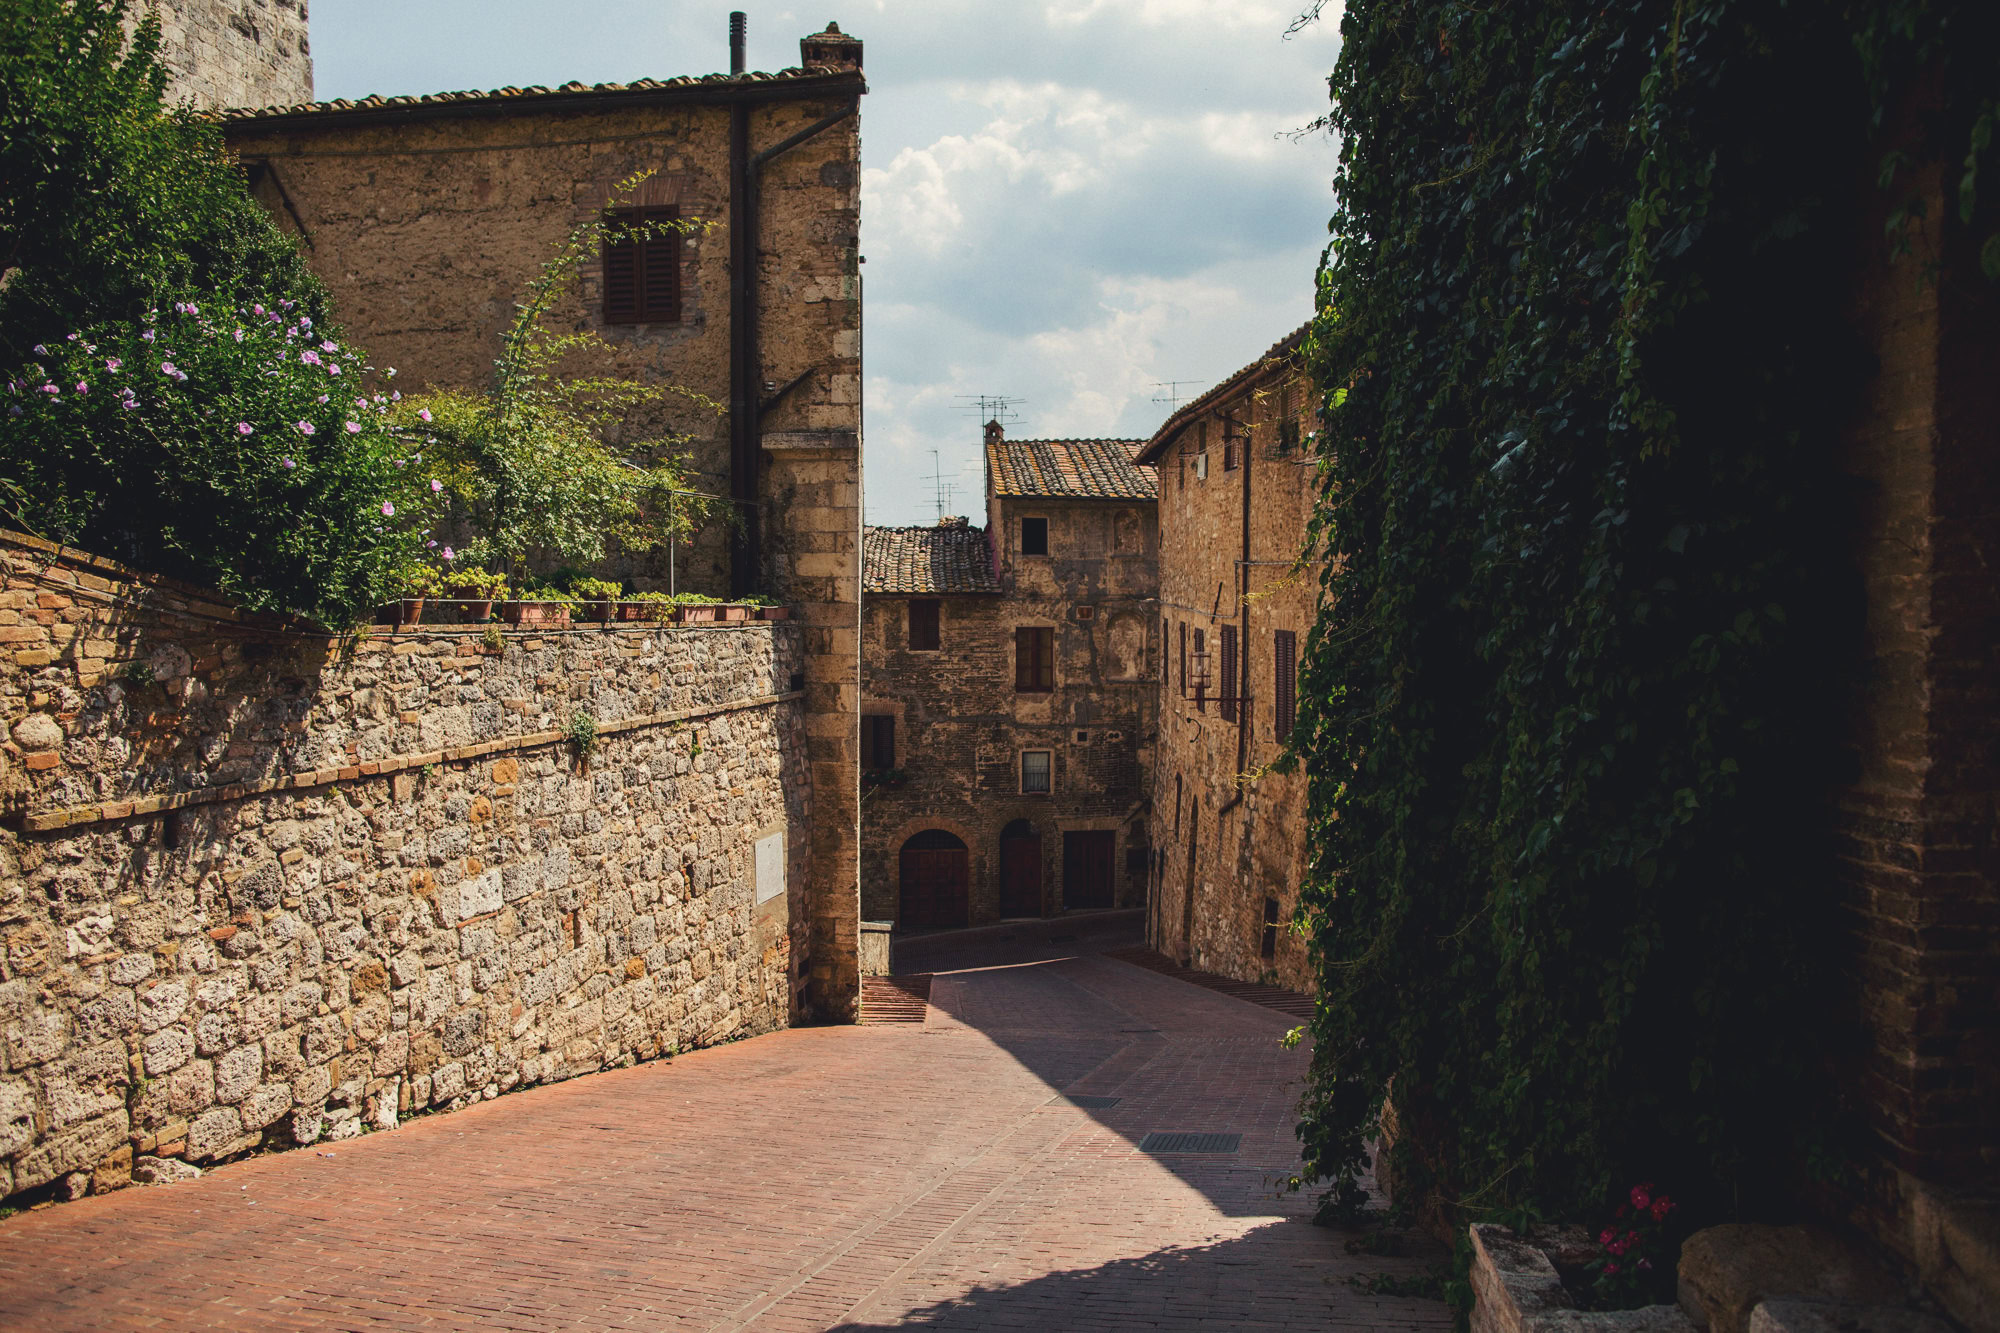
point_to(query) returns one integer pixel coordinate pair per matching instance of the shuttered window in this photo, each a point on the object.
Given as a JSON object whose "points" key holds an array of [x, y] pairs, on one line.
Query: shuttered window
{"points": [[924, 625], [1184, 678], [1285, 663], [1201, 671], [1228, 700], [878, 741], [642, 272], [1034, 660]]}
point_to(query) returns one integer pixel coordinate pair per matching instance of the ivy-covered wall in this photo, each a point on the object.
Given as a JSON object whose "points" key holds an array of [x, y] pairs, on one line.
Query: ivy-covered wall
{"points": [[1594, 668]]}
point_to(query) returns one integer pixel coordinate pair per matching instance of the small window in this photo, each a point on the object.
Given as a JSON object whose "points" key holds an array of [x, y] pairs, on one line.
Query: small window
{"points": [[1083, 738], [1034, 660], [878, 741], [1201, 671], [1184, 655], [1270, 944], [1226, 705], [1231, 452], [1034, 536], [1035, 772], [1285, 655], [641, 254], [923, 625]]}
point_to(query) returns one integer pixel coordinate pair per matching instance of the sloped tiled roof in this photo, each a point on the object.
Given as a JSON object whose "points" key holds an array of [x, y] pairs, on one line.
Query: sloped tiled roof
{"points": [[537, 97], [1282, 350], [940, 560], [1070, 469]]}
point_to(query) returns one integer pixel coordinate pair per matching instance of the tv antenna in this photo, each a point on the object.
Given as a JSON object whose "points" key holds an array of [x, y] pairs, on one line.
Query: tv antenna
{"points": [[942, 488], [991, 407], [1171, 393]]}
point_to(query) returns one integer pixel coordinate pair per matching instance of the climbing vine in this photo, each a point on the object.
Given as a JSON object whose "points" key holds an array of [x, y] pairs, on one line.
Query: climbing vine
{"points": [[1568, 716]]}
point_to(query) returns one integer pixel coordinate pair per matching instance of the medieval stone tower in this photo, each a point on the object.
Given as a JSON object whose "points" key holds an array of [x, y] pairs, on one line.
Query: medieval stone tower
{"points": [[225, 53]]}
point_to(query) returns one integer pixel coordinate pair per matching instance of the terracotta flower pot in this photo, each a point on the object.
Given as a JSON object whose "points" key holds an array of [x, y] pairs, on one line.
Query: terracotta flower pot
{"points": [[699, 613], [410, 611], [534, 613], [733, 612], [472, 610], [602, 612], [774, 613]]}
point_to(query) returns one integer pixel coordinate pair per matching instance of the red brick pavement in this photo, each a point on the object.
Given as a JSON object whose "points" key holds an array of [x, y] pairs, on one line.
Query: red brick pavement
{"points": [[866, 1177]]}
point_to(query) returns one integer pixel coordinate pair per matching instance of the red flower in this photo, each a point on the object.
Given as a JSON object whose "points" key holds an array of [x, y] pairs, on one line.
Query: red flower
{"points": [[1605, 1236], [1642, 1197], [1661, 1207], [1610, 1267]]}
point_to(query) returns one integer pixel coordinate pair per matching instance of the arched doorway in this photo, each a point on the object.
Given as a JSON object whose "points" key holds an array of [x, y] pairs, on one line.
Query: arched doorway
{"points": [[1020, 870], [933, 882]]}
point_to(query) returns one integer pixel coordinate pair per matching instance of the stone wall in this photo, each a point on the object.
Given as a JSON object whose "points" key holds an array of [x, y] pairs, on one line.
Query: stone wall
{"points": [[259, 887], [1227, 843], [224, 53], [961, 726], [1917, 823]]}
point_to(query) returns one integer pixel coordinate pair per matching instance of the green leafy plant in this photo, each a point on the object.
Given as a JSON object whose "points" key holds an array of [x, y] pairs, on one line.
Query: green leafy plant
{"points": [[1563, 716], [581, 733], [596, 590], [1636, 1265], [492, 640], [419, 580], [527, 465], [474, 583], [175, 394]]}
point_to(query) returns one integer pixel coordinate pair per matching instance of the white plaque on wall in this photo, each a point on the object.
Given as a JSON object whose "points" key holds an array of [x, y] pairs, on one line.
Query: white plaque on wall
{"points": [[770, 867]]}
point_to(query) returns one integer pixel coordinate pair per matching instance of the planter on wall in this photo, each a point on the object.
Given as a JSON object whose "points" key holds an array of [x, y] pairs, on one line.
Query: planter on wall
{"points": [[699, 613], [731, 611], [774, 613], [471, 610], [534, 613]]}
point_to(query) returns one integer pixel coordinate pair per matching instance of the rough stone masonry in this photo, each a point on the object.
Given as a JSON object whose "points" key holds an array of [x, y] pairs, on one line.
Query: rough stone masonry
{"points": [[261, 887]]}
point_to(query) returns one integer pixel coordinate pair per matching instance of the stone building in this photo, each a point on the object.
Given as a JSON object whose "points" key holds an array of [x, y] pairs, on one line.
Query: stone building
{"points": [[224, 53], [1008, 694], [1237, 597], [427, 216]]}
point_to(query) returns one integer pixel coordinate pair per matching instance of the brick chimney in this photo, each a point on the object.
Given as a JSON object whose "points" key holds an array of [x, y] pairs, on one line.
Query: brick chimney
{"points": [[954, 523], [994, 433], [832, 47]]}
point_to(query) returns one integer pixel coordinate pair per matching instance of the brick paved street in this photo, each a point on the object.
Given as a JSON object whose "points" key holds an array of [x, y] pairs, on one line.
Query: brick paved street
{"points": [[856, 1178]]}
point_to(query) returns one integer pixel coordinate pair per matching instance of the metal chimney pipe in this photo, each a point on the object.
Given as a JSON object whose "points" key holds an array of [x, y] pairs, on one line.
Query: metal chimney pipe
{"points": [[738, 22]]}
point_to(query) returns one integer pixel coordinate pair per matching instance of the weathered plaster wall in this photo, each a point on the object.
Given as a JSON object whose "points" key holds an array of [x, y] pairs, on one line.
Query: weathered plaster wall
{"points": [[961, 726], [224, 53], [260, 887], [1219, 856]]}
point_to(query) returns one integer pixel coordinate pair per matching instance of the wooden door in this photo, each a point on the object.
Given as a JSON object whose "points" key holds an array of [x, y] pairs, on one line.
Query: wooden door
{"points": [[934, 882], [1020, 872], [1089, 879]]}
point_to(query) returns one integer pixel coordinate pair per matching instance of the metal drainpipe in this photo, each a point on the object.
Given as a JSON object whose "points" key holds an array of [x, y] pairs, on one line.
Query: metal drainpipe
{"points": [[1242, 648], [745, 391]]}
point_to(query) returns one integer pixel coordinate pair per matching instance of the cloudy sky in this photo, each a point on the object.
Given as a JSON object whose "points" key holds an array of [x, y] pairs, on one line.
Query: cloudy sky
{"points": [[1066, 202]]}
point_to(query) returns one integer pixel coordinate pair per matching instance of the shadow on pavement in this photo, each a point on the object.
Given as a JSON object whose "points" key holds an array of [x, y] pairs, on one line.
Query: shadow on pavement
{"points": [[1250, 1282]]}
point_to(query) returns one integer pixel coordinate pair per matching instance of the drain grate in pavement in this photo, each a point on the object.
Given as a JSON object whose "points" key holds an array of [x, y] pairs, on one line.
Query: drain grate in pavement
{"points": [[1084, 1103], [1179, 1141]]}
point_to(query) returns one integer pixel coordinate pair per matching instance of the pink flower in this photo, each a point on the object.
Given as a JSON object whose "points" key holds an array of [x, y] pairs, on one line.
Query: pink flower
{"points": [[448, 555], [168, 368], [423, 414], [305, 427], [50, 388], [256, 310], [329, 346], [309, 357], [1610, 1267], [129, 404], [243, 428], [112, 363], [239, 335], [288, 461], [82, 387], [1642, 1197], [353, 428], [436, 485], [332, 369], [388, 510], [1606, 1236], [147, 335]]}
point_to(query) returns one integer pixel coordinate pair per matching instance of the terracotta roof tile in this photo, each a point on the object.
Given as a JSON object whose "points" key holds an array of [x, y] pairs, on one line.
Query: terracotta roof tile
{"points": [[1285, 349], [1071, 469], [499, 99], [939, 560]]}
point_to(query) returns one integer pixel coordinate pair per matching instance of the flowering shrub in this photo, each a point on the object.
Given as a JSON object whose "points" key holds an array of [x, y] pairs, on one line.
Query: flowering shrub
{"points": [[240, 446], [1638, 1260]]}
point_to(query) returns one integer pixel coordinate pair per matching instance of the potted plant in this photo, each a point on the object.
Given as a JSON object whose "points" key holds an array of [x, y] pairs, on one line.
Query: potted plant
{"points": [[694, 609], [598, 597], [767, 608], [538, 606], [415, 583], [656, 607], [473, 591]]}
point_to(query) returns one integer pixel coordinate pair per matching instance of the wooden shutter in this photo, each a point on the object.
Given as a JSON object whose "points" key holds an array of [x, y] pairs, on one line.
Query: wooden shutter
{"points": [[1201, 680], [878, 741], [642, 274], [1228, 700], [1285, 651], [1183, 659], [924, 625], [1034, 660]]}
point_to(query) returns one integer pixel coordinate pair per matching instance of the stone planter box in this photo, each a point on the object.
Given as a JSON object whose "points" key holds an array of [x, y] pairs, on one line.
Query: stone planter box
{"points": [[1516, 1289]]}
